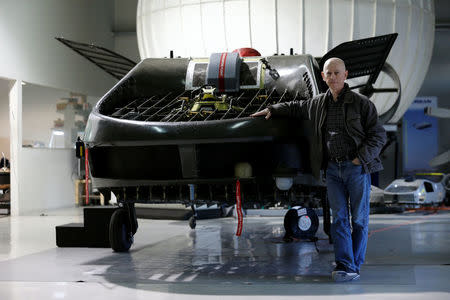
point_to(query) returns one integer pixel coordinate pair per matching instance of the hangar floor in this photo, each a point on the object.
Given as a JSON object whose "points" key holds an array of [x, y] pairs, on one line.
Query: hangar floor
{"points": [[408, 258]]}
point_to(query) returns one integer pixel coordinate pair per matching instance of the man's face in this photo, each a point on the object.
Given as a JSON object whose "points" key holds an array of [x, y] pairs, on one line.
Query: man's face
{"points": [[334, 74]]}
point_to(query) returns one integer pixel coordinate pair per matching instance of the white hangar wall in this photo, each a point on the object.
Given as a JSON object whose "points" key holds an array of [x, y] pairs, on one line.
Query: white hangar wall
{"points": [[41, 178], [29, 51], [4, 116], [199, 27]]}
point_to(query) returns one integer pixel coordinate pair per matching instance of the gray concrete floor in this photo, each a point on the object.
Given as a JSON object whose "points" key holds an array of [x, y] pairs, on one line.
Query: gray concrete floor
{"points": [[408, 257]]}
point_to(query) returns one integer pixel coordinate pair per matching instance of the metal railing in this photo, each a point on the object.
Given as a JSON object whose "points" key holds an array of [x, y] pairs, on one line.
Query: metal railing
{"points": [[169, 108]]}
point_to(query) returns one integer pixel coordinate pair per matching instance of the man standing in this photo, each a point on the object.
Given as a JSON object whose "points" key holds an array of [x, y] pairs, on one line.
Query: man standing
{"points": [[348, 140]]}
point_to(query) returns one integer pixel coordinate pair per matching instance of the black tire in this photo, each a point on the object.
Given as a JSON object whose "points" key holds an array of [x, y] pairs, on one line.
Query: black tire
{"points": [[192, 222], [120, 236]]}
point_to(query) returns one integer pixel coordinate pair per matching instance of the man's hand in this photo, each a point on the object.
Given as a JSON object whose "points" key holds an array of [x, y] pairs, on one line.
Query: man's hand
{"points": [[356, 161], [264, 112]]}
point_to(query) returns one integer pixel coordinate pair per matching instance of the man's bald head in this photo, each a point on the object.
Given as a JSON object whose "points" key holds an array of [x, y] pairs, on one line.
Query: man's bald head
{"points": [[334, 61], [334, 74]]}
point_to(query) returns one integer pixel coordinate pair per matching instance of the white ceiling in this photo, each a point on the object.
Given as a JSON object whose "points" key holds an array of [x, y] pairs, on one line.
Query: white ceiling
{"points": [[125, 14]]}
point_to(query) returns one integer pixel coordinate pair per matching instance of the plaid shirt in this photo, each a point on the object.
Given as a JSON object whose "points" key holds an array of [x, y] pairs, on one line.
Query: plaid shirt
{"points": [[338, 143]]}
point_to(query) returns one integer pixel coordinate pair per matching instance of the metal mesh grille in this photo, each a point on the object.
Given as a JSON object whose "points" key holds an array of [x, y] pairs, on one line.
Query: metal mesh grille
{"points": [[308, 84], [178, 108]]}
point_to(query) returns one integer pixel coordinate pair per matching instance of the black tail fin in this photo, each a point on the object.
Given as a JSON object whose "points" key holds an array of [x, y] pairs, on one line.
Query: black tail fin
{"points": [[363, 57], [111, 62]]}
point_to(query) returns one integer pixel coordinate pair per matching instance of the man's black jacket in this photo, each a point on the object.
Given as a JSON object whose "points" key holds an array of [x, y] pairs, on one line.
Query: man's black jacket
{"points": [[361, 124]]}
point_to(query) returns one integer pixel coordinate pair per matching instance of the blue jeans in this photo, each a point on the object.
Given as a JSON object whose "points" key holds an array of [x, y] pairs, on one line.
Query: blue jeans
{"points": [[348, 188]]}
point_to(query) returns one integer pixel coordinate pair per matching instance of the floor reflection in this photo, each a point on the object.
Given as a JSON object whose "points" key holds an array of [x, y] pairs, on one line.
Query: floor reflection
{"points": [[405, 253], [213, 254]]}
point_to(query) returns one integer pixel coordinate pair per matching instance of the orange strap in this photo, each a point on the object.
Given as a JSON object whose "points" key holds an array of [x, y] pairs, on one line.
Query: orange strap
{"points": [[86, 181], [222, 63], [239, 208]]}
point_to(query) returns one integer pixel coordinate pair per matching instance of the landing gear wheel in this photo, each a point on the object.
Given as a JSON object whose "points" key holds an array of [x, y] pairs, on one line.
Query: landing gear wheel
{"points": [[192, 222], [120, 234]]}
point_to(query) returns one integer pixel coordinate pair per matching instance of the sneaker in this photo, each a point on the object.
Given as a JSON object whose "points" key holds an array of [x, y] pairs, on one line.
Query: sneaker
{"points": [[341, 274]]}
